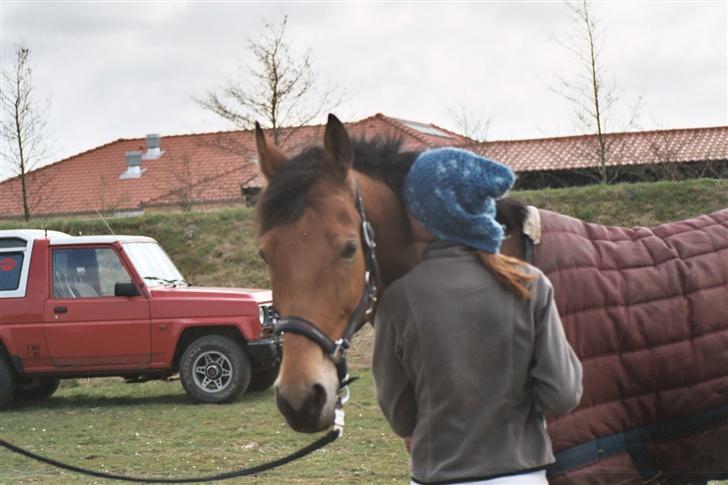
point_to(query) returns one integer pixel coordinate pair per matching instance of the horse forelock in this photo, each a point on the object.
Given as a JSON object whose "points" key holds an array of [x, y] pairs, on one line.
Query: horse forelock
{"points": [[285, 198]]}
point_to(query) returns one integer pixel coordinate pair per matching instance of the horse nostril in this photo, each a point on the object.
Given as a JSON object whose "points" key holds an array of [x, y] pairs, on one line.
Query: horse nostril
{"points": [[307, 418], [319, 397], [286, 409]]}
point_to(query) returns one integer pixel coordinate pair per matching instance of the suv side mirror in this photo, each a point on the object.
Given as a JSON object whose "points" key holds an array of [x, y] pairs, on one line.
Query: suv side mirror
{"points": [[126, 289]]}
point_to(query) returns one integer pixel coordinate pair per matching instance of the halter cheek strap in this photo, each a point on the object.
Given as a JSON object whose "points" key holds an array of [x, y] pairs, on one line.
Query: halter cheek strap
{"points": [[336, 350]]}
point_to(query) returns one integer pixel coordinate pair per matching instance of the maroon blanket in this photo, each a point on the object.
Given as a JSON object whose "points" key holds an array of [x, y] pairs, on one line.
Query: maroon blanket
{"points": [[646, 310]]}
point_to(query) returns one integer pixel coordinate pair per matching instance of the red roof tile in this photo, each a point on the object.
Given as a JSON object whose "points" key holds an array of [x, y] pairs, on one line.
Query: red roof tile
{"points": [[206, 168], [212, 167], [632, 148]]}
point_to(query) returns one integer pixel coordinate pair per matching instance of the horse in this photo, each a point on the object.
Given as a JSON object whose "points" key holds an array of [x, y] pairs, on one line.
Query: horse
{"points": [[314, 233]]}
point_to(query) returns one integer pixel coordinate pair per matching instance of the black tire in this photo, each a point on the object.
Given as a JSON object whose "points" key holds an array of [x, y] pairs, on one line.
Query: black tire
{"points": [[263, 379], [214, 369], [36, 389], [7, 383]]}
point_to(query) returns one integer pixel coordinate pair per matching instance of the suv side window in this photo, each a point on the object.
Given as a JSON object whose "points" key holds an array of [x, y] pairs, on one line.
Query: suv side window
{"points": [[86, 272], [10, 268]]}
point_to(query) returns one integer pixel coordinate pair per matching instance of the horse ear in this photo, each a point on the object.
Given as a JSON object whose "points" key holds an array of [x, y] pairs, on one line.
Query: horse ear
{"points": [[337, 145], [269, 156]]}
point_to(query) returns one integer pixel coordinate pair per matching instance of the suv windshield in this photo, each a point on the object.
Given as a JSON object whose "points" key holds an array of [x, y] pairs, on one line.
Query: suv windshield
{"points": [[153, 264]]}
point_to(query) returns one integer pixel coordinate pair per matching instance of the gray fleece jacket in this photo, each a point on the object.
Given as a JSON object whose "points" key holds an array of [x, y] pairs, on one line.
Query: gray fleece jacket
{"points": [[467, 368]]}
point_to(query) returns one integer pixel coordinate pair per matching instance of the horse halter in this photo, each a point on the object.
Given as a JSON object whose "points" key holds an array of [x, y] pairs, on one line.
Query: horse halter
{"points": [[336, 349]]}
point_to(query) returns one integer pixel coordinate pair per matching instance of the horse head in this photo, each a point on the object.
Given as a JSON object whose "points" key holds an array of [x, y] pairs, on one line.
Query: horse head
{"points": [[310, 237]]}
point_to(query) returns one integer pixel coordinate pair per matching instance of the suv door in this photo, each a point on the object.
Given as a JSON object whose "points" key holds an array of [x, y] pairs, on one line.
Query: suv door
{"points": [[85, 324]]}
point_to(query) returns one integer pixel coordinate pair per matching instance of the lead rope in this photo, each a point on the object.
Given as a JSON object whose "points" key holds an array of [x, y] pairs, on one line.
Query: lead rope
{"points": [[336, 431]]}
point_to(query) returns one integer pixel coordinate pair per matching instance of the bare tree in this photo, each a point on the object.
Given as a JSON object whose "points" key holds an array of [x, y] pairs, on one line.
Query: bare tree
{"points": [[184, 175], [670, 162], [184, 186], [592, 97], [280, 89], [106, 199], [23, 122], [469, 123]]}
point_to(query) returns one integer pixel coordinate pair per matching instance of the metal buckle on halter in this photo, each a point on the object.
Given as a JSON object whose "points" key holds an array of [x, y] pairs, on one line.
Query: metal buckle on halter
{"points": [[344, 392], [368, 232], [371, 282], [341, 346]]}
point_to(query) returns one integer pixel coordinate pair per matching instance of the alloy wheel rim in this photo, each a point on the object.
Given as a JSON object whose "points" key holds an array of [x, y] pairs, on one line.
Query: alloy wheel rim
{"points": [[212, 371]]}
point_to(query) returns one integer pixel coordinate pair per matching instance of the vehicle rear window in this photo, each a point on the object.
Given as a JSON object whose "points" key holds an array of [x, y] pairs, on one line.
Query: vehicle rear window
{"points": [[10, 266], [12, 242]]}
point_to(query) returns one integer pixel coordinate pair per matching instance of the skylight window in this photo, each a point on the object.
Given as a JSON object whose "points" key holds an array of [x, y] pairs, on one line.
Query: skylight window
{"points": [[132, 173], [426, 129], [152, 153]]}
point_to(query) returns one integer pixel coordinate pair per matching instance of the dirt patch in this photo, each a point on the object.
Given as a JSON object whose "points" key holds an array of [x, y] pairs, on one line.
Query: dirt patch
{"points": [[362, 346]]}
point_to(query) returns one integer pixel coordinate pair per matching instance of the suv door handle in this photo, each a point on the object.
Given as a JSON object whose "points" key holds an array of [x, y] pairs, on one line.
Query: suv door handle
{"points": [[60, 309]]}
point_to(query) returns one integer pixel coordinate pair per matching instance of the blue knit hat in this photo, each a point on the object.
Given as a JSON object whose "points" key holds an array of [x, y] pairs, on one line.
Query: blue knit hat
{"points": [[452, 193]]}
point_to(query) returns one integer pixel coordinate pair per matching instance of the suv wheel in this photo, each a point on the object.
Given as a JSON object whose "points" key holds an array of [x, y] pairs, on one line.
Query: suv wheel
{"points": [[36, 389], [214, 369], [7, 383]]}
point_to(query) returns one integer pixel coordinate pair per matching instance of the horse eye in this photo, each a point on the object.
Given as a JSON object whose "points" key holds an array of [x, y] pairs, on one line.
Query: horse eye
{"points": [[349, 250]]}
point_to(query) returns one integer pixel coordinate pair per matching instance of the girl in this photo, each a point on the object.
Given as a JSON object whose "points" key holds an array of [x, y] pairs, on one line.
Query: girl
{"points": [[469, 348]]}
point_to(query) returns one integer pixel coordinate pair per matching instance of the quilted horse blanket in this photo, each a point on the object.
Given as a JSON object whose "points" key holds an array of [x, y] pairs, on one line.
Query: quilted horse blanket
{"points": [[646, 310]]}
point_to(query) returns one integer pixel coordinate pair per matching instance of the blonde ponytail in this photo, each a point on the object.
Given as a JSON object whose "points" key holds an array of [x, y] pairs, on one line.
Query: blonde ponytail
{"points": [[509, 271]]}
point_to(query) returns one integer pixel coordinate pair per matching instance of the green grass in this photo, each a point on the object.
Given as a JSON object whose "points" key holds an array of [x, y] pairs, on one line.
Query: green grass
{"points": [[152, 430], [643, 204]]}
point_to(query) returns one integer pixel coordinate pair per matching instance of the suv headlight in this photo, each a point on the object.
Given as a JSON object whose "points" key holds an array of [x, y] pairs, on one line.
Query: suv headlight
{"points": [[267, 316]]}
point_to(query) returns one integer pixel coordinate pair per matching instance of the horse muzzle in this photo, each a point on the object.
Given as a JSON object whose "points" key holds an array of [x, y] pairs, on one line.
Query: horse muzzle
{"points": [[314, 412]]}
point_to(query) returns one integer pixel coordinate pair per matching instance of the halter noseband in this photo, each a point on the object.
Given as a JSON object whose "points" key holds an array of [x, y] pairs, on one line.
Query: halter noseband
{"points": [[336, 349]]}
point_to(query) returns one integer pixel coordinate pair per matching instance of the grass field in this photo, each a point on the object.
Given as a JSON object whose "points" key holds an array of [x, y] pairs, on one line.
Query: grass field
{"points": [[151, 429]]}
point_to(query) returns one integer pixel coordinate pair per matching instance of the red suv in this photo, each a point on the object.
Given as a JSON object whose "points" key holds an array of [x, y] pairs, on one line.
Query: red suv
{"points": [[118, 306]]}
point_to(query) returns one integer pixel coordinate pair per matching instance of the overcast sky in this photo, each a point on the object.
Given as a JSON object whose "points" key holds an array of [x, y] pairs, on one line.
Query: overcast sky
{"points": [[125, 69]]}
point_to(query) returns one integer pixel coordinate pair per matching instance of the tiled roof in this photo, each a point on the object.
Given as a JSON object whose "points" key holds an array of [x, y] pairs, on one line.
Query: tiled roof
{"points": [[206, 168], [632, 148]]}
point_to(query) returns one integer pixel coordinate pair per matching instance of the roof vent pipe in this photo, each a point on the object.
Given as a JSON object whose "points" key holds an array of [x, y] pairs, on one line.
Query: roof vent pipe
{"points": [[154, 147], [133, 165]]}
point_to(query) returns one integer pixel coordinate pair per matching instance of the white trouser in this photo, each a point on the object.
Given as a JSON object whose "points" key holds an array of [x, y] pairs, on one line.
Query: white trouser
{"points": [[532, 478]]}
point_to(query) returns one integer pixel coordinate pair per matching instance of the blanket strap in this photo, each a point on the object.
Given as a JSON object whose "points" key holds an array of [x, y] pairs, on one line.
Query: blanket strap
{"points": [[633, 442]]}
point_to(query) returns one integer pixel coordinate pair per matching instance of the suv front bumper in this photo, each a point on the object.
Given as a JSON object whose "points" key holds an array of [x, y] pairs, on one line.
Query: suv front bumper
{"points": [[265, 352]]}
